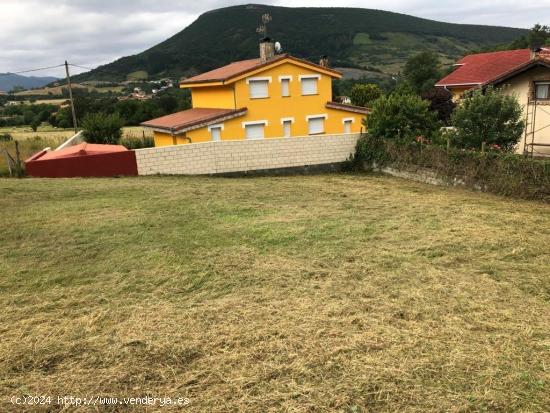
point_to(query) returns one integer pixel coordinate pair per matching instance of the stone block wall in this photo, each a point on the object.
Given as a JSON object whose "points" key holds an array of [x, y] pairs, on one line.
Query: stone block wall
{"points": [[245, 155]]}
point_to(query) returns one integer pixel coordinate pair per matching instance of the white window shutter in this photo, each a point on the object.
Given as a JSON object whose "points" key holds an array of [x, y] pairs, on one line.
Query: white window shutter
{"points": [[216, 133], [259, 89], [254, 131], [285, 87], [316, 125], [309, 86], [287, 124], [347, 126]]}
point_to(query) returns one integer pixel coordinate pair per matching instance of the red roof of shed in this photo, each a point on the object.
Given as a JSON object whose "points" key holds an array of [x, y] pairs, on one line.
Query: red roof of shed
{"points": [[83, 149], [481, 68]]}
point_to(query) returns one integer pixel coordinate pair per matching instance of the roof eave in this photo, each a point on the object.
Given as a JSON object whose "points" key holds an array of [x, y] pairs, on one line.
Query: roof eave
{"points": [[457, 84], [517, 70], [201, 123], [348, 108], [245, 73], [216, 82]]}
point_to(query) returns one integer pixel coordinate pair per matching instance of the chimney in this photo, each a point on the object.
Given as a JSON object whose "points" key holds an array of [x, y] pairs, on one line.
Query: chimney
{"points": [[535, 52], [267, 49], [324, 61]]}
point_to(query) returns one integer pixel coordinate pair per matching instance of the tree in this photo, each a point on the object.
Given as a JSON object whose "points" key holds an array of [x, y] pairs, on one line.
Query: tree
{"points": [[488, 116], [422, 71], [441, 101], [365, 94], [102, 128], [402, 117], [538, 36], [35, 123], [28, 116]]}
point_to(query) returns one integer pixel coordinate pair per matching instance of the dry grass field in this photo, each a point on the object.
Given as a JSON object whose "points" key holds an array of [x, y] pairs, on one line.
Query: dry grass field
{"points": [[328, 293], [22, 133], [58, 90]]}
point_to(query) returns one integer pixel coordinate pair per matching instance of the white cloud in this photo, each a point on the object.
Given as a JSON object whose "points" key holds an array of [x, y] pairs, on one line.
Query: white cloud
{"points": [[93, 32]]}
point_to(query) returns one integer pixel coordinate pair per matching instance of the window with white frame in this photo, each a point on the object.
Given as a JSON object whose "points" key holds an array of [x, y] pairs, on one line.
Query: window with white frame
{"points": [[215, 132], [347, 124], [258, 88], [285, 86], [254, 130], [287, 127], [309, 84], [316, 124], [542, 90]]}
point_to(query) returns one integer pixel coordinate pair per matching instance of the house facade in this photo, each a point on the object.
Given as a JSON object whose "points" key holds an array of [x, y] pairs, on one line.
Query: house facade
{"points": [[270, 97], [522, 73]]}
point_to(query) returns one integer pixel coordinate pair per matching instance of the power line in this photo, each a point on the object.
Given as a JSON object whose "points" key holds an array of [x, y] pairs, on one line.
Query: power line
{"points": [[97, 69], [84, 67], [30, 70]]}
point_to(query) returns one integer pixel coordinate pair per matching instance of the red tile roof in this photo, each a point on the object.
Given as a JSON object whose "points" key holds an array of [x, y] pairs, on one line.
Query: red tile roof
{"points": [[225, 72], [348, 108], [478, 69], [192, 118], [83, 149], [234, 69]]}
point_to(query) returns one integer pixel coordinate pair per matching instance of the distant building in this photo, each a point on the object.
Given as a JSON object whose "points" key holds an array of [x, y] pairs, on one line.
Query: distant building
{"points": [[522, 73], [2, 93]]}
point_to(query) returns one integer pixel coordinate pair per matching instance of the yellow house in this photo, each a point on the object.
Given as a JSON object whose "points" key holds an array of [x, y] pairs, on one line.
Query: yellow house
{"points": [[270, 97]]}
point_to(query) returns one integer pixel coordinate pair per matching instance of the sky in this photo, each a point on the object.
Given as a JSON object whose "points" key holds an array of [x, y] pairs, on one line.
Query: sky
{"points": [[42, 33]]}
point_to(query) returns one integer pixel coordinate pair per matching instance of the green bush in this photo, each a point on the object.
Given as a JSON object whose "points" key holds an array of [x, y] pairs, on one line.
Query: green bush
{"points": [[403, 117], [35, 123], [103, 128], [499, 173], [365, 94], [5, 137], [138, 143], [488, 116]]}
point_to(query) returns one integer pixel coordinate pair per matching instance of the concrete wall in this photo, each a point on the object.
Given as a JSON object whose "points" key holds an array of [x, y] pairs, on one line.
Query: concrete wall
{"points": [[247, 155]]}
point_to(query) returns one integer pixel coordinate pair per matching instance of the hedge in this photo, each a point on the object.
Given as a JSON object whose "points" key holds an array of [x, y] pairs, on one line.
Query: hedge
{"points": [[500, 173]]}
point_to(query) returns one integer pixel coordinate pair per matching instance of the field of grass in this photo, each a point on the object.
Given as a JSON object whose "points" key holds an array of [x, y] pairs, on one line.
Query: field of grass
{"points": [[58, 90], [49, 132], [391, 51], [329, 293], [21, 133]]}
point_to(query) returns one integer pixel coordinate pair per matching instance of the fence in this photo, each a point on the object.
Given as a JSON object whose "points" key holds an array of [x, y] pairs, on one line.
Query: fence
{"points": [[246, 155]]}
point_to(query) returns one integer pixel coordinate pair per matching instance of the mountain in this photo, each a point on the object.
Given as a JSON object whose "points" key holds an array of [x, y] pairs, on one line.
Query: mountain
{"points": [[9, 81], [352, 37]]}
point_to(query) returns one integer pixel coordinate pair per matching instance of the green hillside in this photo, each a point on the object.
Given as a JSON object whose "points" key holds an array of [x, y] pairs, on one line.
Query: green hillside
{"points": [[351, 37]]}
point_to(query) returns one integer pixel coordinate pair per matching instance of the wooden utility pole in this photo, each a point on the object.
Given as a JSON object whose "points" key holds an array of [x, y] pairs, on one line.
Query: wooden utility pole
{"points": [[71, 97], [18, 165]]}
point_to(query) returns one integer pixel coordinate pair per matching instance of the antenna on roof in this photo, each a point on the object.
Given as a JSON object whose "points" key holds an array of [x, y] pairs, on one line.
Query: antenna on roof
{"points": [[266, 19]]}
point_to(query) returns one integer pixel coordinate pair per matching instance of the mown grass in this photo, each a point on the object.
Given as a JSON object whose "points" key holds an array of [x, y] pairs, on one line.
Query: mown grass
{"points": [[328, 293]]}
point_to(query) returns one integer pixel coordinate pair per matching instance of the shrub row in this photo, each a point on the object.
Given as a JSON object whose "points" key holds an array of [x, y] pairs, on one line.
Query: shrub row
{"points": [[500, 173]]}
